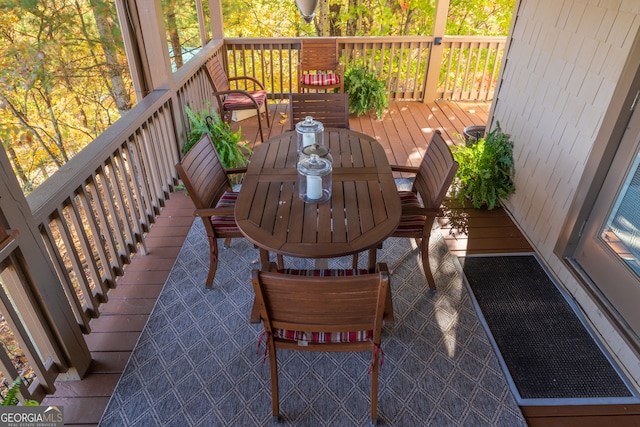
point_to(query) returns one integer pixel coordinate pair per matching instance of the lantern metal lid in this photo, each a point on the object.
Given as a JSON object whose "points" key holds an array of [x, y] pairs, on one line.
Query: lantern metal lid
{"points": [[319, 150], [309, 132]]}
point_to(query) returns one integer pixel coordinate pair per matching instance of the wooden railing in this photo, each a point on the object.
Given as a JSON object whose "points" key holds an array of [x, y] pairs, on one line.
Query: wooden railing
{"points": [[94, 219], [466, 67], [94, 213]]}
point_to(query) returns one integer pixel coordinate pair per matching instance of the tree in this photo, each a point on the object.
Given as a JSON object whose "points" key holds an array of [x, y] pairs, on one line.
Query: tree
{"points": [[64, 80], [479, 17]]}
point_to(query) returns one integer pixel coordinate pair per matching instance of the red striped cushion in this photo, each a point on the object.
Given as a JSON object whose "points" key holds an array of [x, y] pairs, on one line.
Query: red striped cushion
{"points": [[320, 79], [237, 100], [324, 273], [410, 223], [322, 337], [225, 223]]}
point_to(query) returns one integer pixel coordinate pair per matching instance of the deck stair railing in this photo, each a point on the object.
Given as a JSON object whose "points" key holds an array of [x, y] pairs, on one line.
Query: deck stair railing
{"points": [[93, 214]]}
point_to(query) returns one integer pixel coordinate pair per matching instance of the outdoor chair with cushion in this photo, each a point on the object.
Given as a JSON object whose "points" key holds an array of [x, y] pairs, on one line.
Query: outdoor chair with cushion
{"points": [[433, 177], [231, 100], [322, 310], [207, 183], [319, 66]]}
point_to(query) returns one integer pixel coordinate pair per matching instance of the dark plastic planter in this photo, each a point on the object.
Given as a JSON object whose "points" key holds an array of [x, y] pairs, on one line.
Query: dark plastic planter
{"points": [[473, 133]]}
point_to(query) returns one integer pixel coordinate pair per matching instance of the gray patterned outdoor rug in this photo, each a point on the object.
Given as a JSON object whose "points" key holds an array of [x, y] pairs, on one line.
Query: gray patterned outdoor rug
{"points": [[195, 363]]}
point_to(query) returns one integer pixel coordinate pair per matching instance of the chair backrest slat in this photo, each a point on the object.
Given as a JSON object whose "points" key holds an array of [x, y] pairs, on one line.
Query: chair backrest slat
{"points": [[203, 174], [319, 54], [217, 74], [322, 304], [332, 109], [436, 172]]}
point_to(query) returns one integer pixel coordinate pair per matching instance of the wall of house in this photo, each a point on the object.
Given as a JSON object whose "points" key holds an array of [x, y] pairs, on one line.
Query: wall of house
{"points": [[561, 70]]}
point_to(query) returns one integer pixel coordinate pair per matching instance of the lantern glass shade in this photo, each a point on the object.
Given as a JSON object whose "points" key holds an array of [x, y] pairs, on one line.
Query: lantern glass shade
{"points": [[307, 9]]}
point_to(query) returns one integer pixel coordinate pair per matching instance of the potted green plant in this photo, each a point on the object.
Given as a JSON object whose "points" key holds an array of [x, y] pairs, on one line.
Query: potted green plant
{"points": [[485, 171], [232, 149], [366, 91]]}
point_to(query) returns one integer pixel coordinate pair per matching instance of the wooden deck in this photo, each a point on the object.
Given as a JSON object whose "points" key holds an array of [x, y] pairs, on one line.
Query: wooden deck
{"points": [[403, 131]]}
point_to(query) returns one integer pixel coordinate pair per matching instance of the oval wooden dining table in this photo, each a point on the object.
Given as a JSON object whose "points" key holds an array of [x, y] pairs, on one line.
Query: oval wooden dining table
{"points": [[364, 208]]}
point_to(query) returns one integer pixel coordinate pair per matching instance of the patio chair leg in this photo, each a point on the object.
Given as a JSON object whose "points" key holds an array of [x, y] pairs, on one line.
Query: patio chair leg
{"points": [[424, 254]]}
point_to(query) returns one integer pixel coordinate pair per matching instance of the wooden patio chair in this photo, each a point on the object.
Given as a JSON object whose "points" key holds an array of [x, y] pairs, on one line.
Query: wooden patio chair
{"points": [[231, 100], [319, 67], [208, 185], [332, 109], [432, 181], [333, 312]]}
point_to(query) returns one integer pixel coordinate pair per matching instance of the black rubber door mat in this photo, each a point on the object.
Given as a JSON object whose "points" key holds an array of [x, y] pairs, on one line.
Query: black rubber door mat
{"points": [[546, 348]]}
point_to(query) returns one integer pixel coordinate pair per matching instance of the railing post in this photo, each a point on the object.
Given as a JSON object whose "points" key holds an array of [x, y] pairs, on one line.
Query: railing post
{"points": [[217, 23], [62, 331], [436, 51]]}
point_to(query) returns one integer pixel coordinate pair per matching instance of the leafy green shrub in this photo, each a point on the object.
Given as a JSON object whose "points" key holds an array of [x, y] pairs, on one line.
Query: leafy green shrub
{"points": [[233, 151], [485, 172], [11, 398], [366, 91]]}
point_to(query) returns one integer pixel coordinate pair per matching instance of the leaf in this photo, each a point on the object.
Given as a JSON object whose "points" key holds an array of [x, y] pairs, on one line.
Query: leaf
{"points": [[485, 170]]}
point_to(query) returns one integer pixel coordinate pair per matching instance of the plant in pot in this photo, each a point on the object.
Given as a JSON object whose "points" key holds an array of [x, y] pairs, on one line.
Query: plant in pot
{"points": [[485, 171], [366, 91], [232, 149]]}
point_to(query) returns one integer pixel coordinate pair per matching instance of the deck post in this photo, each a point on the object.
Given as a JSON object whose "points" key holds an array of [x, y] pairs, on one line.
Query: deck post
{"points": [[39, 298], [436, 51]]}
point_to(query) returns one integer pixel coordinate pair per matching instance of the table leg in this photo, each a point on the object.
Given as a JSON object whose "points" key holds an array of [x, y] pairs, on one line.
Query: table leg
{"points": [[264, 259], [321, 263], [372, 259]]}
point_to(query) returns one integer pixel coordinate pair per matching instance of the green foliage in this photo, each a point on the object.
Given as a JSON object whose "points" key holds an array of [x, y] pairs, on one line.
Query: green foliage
{"points": [[65, 80], [479, 18], [280, 18], [366, 91], [233, 151], [485, 172], [11, 398]]}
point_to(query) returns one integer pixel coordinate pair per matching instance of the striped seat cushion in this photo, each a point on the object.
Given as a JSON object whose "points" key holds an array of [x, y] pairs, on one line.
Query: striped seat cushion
{"points": [[320, 79], [324, 273], [322, 337], [225, 223], [235, 100], [410, 223]]}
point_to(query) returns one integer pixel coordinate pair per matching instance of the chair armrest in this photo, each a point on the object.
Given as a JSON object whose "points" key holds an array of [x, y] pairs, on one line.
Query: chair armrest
{"points": [[208, 212], [401, 168], [253, 79], [240, 91]]}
